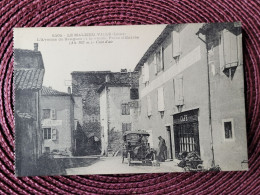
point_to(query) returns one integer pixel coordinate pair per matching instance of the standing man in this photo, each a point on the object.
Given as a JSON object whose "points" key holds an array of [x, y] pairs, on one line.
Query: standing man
{"points": [[162, 150]]}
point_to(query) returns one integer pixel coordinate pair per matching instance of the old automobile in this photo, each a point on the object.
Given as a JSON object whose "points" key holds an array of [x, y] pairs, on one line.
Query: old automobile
{"points": [[136, 148]]}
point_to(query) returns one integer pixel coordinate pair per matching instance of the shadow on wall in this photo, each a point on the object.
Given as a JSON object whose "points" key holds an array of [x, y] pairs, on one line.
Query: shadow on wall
{"points": [[86, 142], [48, 165]]}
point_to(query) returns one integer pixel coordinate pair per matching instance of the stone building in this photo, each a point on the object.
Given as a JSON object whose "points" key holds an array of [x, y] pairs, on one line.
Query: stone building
{"points": [[28, 78], [192, 94], [58, 120], [86, 84], [118, 109]]}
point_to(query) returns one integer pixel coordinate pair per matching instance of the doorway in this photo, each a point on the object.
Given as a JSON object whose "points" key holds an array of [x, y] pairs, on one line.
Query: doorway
{"points": [[169, 142]]}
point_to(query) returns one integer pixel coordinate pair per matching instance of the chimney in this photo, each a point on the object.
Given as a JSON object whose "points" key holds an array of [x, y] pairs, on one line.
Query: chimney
{"points": [[35, 46], [124, 70], [69, 90]]}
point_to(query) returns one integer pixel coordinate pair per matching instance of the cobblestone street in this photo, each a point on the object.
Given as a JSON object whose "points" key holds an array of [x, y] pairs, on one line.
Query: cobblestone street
{"points": [[111, 165]]}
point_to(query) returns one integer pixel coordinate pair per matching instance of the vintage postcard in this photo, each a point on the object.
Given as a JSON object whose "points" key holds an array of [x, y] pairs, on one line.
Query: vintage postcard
{"points": [[129, 99]]}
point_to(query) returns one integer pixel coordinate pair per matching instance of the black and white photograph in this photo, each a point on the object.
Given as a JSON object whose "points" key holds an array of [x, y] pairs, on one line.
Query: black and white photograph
{"points": [[129, 99]]}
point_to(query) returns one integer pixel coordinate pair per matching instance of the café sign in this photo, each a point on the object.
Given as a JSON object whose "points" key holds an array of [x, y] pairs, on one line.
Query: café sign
{"points": [[49, 122], [185, 117]]}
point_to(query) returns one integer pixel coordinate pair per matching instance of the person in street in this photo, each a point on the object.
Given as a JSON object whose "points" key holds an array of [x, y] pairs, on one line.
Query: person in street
{"points": [[162, 156]]}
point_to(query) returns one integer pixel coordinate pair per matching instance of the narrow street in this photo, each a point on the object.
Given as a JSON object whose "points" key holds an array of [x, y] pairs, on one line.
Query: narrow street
{"points": [[111, 165]]}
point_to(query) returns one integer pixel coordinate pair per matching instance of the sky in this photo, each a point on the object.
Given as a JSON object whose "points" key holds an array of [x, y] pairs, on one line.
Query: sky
{"points": [[96, 48]]}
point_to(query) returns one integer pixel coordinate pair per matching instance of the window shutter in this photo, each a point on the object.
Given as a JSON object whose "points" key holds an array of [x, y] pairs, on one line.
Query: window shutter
{"points": [[123, 109], [160, 99], [178, 87], [221, 52], [127, 108], [54, 134], [143, 74], [146, 72], [53, 114], [161, 56], [230, 48], [129, 126], [176, 49], [123, 127], [155, 63], [240, 49], [149, 106]]}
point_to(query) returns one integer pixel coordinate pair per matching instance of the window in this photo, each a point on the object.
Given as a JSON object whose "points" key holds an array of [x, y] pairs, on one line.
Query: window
{"points": [[134, 94], [126, 127], [47, 149], [125, 109], [46, 113], [49, 114], [158, 61], [228, 129], [47, 133]]}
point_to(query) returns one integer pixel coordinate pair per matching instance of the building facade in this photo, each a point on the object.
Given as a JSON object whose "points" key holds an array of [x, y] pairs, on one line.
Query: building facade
{"points": [[28, 78], [58, 121], [86, 85], [118, 109], [188, 100], [227, 101]]}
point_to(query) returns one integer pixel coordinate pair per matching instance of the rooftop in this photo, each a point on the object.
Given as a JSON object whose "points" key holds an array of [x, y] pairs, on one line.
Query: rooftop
{"points": [[48, 91], [91, 72], [28, 78]]}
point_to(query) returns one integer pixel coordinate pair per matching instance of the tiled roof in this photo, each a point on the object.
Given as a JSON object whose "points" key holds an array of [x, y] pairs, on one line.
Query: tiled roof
{"points": [[28, 78], [48, 91]]}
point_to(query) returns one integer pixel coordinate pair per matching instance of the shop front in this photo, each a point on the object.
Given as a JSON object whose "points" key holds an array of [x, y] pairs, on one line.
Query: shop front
{"points": [[186, 132]]}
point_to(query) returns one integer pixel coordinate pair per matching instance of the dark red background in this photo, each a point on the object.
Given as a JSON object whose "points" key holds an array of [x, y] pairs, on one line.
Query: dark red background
{"points": [[87, 13]]}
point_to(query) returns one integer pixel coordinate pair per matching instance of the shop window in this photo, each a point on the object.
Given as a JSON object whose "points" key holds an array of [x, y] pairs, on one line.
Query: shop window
{"points": [[125, 109], [134, 93], [126, 127], [228, 129]]}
